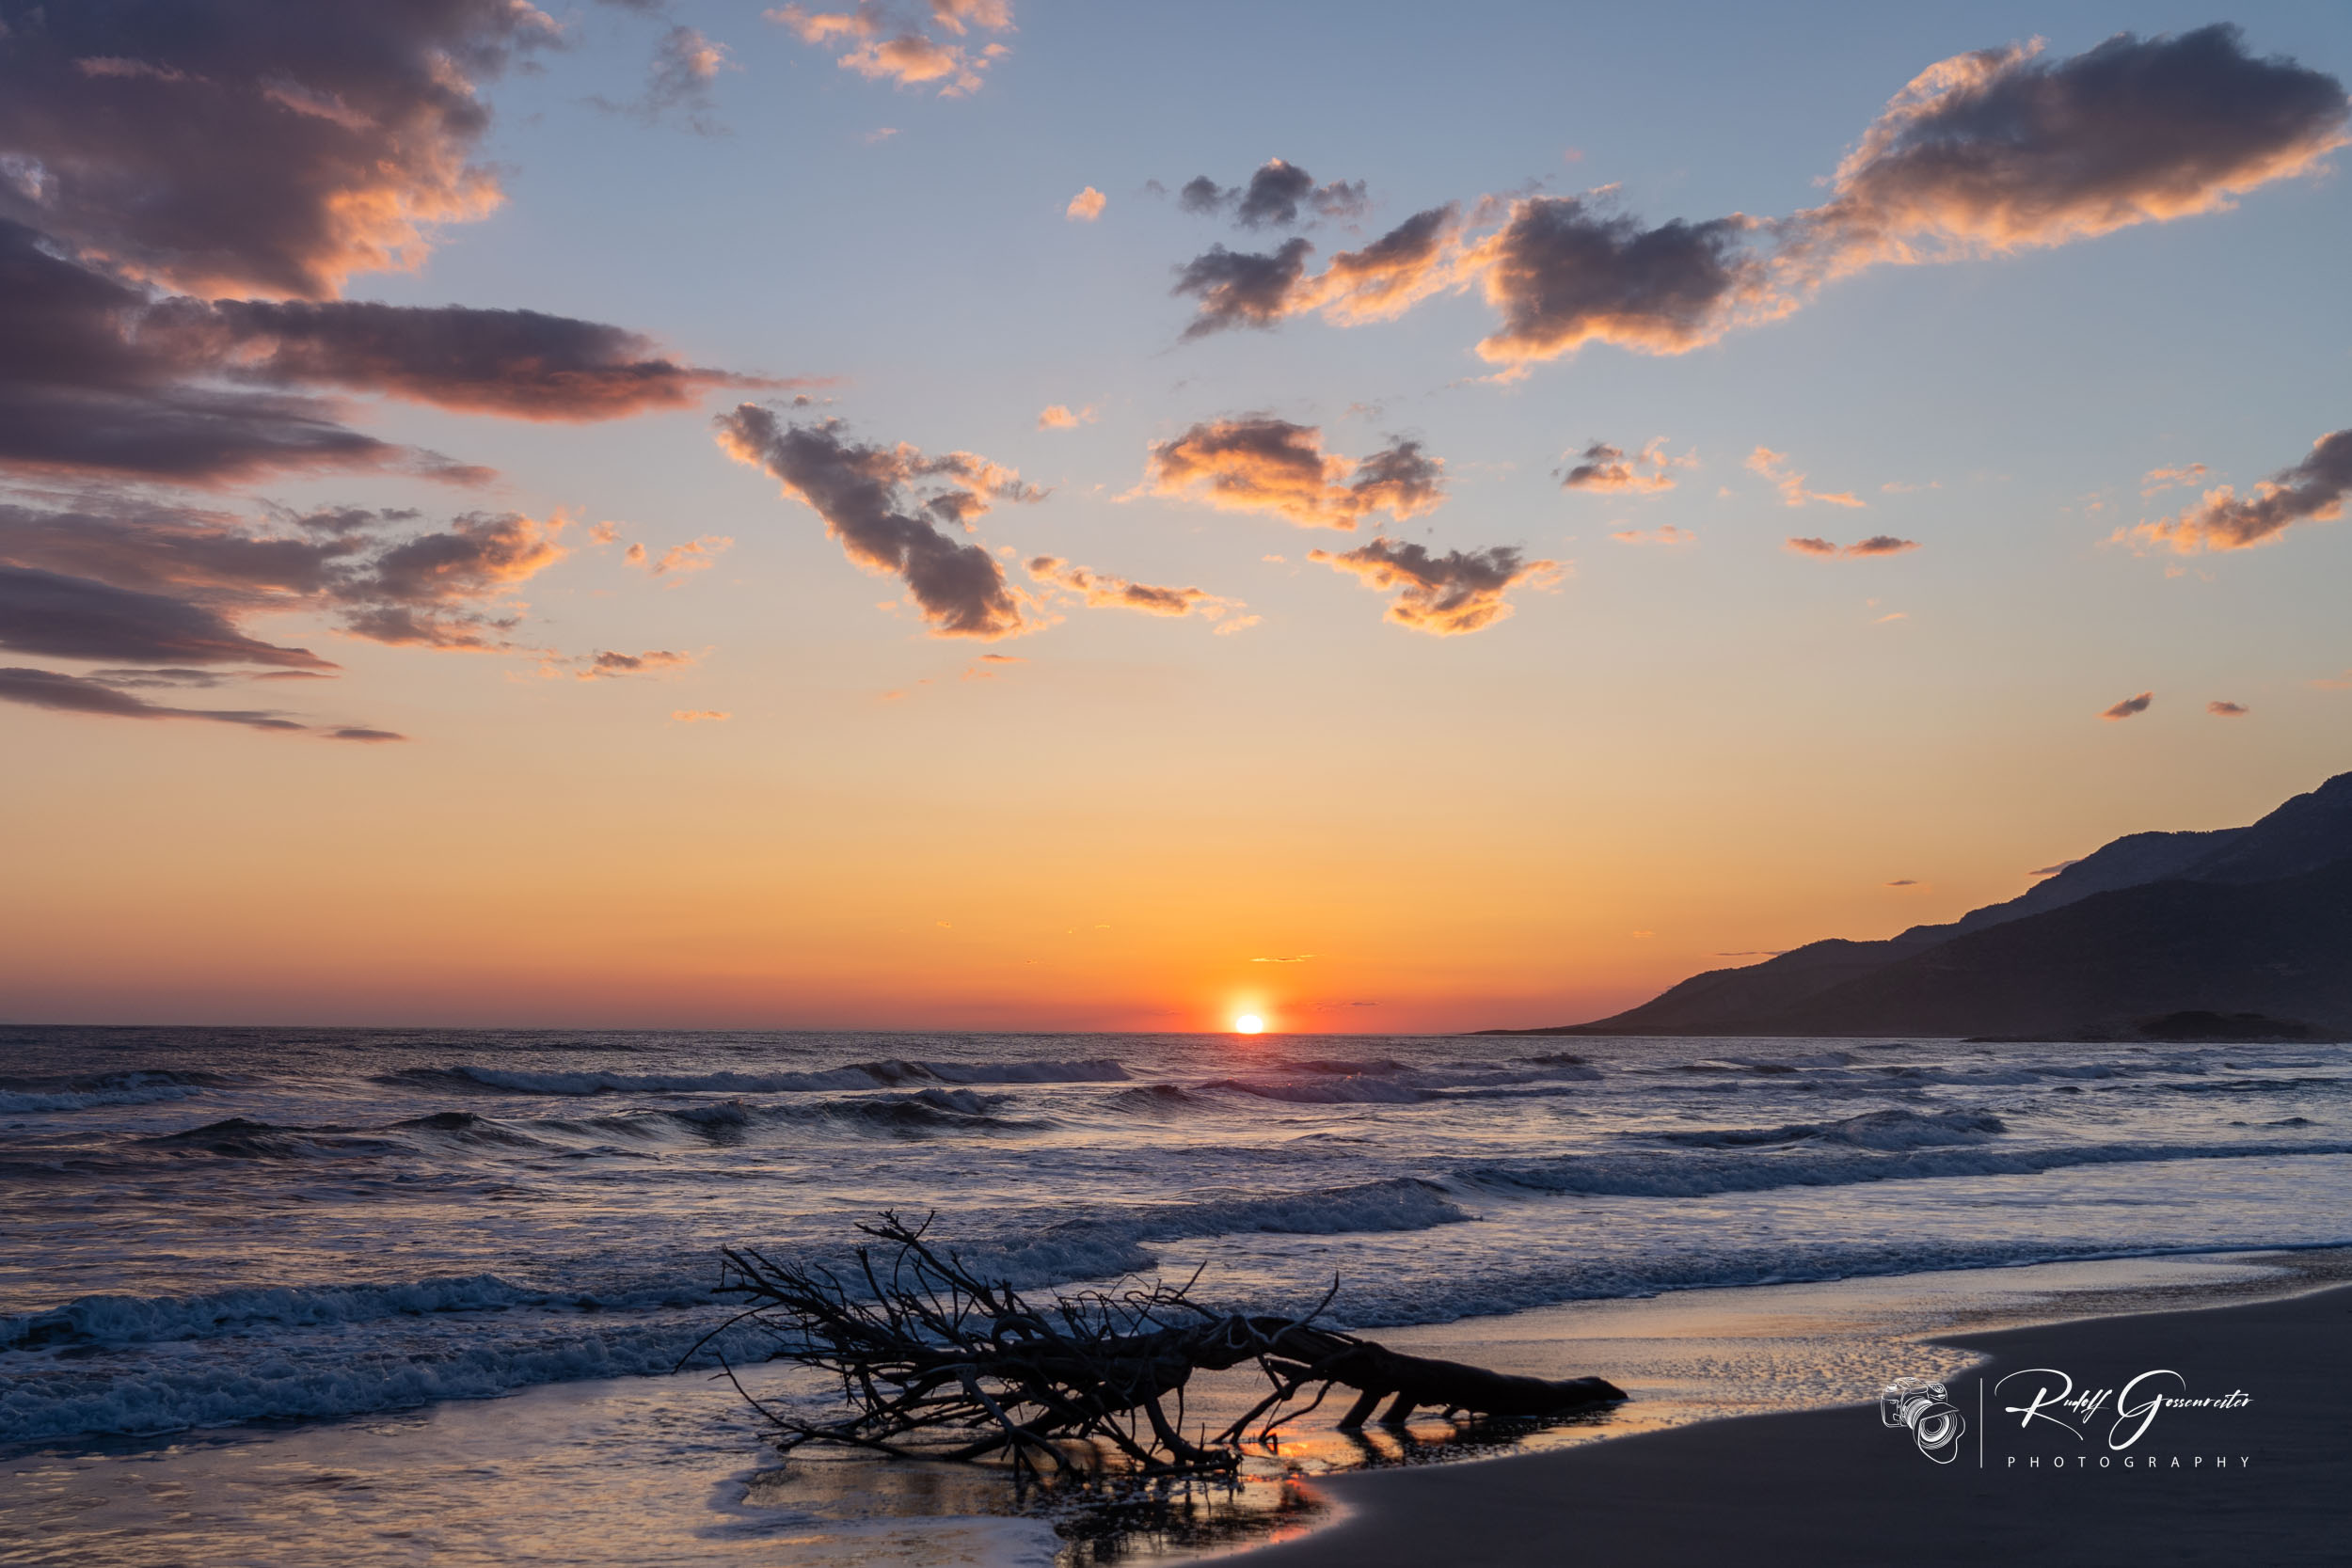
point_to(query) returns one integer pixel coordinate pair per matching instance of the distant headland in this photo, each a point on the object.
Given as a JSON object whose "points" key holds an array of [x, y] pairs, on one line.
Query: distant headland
{"points": [[2236, 934]]}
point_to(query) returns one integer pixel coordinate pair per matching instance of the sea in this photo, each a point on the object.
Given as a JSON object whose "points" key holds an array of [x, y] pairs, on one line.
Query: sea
{"points": [[233, 1255]]}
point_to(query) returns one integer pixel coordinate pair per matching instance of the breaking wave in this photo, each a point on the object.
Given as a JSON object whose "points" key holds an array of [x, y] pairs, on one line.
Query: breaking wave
{"points": [[39, 1096], [1663, 1175], [1881, 1130]]}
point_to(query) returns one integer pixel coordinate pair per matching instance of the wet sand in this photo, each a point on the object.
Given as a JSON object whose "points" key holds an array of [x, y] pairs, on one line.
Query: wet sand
{"points": [[2268, 1482]]}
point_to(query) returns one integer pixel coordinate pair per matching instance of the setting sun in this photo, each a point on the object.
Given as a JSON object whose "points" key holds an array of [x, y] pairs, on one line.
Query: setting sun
{"points": [[1249, 1023]]}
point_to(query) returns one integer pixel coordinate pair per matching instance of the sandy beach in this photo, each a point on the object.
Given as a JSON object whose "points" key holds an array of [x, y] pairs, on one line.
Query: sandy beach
{"points": [[1839, 1486]]}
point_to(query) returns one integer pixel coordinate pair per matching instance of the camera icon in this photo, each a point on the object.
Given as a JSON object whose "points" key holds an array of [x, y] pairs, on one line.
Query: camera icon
{"points": [[1921, 1404]]}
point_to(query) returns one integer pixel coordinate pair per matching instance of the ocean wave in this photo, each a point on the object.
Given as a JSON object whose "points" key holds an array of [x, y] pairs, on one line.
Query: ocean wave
{"points": [[146, 1320], [1771, 1064], [42, 1095], [1393, 1085], [1696, 1175], [1879, 1130], [466, 1128], [1097, 1246], [1362, 1090], [1156, 1097], [956, 1110], [856, 1075], [731, 1121], [320, 1379], [2251, 1086], [238, 1138]]}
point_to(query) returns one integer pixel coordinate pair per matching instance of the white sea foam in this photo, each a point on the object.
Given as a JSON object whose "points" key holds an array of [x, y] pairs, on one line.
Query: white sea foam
{"points": [[1695, 1175]]}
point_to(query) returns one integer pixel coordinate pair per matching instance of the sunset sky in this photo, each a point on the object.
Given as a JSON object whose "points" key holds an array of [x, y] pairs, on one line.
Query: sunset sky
{"points": [[1000, 514]]}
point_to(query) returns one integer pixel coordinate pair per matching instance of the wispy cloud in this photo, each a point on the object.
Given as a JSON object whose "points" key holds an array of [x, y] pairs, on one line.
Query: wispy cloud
{"points": [[1774, 465], [907, 44], [2157, 480], [1445, 595], [695, 555], [1877, 545], [679, 82], [1609, 470], [64, 693], [2221, 709], [2129, 706], [1101, 591], [612, 666]]}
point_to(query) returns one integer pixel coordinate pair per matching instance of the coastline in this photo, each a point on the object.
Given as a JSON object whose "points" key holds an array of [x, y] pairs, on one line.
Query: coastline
{"points": [[1836, 1485]]}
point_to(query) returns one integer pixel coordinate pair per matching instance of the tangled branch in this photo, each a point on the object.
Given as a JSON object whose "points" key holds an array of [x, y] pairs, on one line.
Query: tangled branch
{"points": [[935, 1360]]}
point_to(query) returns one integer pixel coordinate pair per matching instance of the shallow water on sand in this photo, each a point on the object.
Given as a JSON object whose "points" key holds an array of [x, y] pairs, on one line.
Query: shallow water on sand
{"points": [[655, 1471]]}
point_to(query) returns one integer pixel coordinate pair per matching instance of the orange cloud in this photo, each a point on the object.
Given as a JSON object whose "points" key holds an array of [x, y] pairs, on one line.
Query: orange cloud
{"points": [[2227, 710], [1774, 467], [1086, 206], [2156, 479], [2310, 491], [890, 41], [610, 666], [1101, 591], [1981, 154], [1461, 590], [697, 555], [1058, 416], [2129, 706], [1877, 545], [1256, 463], [1666, 534], [700, 716], [1608, 469]]}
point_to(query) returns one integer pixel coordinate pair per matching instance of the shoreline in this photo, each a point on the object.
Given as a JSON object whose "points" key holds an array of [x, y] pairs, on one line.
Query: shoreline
{"points": [[670, 1453], [1835, 1484]]}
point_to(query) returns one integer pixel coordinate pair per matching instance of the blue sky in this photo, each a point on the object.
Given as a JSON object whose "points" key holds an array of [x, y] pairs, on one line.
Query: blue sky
{"points": [[1698, 741]]}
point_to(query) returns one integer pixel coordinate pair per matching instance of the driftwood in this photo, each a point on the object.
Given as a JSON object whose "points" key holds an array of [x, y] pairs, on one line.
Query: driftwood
{"points": [[939, 1362]]}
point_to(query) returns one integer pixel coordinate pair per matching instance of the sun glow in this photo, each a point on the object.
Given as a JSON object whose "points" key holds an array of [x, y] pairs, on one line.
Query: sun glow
{"points": [[1249, 1023]]}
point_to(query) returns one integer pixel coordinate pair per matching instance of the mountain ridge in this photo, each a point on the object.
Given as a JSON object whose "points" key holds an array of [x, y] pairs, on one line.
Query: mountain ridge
{"points": [[1903, 984]]}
